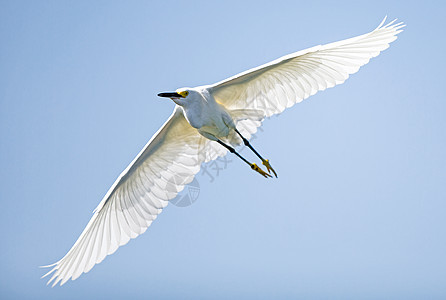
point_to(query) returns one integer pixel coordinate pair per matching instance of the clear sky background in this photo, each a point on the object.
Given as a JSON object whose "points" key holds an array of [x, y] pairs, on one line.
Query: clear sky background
{"points": [[358, 210]]}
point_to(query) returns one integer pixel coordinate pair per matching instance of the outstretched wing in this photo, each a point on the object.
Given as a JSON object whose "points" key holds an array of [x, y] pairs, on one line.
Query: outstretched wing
{"points": [[160, 171], [288, 80]]}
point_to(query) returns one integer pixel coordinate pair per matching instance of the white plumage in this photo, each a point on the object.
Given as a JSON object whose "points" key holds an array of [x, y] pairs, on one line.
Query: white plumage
{"points": [[174, 154]]}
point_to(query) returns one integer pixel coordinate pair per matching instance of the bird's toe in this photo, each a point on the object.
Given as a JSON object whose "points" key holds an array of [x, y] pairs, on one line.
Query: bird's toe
{"points": [[266, 163], [259, 170]]}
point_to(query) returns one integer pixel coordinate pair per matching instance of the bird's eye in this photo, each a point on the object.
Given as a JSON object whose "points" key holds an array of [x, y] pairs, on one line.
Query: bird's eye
{"points": [[184, 93]]}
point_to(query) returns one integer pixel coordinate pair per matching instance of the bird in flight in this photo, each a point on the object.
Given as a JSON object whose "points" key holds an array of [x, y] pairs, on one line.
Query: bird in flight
{"points": [[207, 122]]}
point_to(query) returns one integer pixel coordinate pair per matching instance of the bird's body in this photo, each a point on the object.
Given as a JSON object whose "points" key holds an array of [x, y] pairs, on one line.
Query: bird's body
{"points": [[210, 118], [206, 123]]}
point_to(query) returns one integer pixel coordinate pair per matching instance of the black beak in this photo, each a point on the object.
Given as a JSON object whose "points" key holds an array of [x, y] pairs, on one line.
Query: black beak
{"points": [[170, 95]]}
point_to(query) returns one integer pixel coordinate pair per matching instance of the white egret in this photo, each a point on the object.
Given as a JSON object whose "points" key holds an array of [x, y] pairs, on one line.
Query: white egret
{"points": [[207, 122]]}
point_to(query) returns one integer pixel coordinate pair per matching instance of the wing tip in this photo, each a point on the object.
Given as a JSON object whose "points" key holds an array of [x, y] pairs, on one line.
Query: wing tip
{"points": [[47, 266], [391, 25], [48, 273], [382, 22]]}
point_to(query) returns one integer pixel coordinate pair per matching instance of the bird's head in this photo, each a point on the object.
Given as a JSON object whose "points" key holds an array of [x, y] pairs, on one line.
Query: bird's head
{"points": [[180, 96]]}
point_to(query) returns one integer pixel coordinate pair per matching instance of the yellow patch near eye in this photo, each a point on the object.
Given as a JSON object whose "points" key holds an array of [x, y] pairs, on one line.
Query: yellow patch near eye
{"points": [[184, 93]]}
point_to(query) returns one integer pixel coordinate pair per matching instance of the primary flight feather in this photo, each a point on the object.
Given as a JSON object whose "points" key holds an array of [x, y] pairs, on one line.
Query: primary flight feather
{"points": [[206, 123]]}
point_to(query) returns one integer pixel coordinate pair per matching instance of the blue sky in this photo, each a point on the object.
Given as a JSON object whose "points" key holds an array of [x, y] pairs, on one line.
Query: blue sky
{"points": [[358, 209]]}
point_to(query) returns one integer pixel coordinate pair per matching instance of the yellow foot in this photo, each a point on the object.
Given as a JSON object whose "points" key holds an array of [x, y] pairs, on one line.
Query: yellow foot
{"points": [[268, 167], [263, 173]]}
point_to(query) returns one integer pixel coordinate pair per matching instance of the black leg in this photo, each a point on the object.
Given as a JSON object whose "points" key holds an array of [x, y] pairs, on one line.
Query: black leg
{"points": [[253, 166], [246, 142], [265, 162]]}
